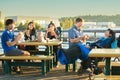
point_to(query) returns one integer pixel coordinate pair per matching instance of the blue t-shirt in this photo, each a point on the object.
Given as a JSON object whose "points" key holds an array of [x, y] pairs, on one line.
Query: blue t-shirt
{"points": [[74, 33], [7, 36]]}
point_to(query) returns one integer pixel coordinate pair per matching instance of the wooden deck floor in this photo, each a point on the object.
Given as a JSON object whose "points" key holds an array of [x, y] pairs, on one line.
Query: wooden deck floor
{"points": [[34, 73], [58, 73]]}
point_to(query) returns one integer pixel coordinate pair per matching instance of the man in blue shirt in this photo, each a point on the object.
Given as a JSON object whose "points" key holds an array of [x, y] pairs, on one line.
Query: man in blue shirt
{"points": [[8, 41], [75, 36]]}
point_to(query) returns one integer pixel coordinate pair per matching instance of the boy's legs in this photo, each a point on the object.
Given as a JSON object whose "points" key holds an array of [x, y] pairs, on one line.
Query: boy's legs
{"points": [[17, 52]]}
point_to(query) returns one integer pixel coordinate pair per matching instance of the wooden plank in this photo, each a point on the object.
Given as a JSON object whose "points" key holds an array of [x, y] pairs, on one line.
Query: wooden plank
{"points": [[1, 54], [111, 77], [104, 53], [26, 57], [102, 64], [51, 43]]}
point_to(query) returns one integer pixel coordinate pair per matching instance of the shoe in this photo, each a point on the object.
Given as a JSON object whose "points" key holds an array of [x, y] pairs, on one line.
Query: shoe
{"points": [[19, 72], [84, 72], [14, 69]]}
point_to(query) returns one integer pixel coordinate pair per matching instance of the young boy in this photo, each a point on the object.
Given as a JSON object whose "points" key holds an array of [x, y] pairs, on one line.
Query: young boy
{"points": [[8, 41]]}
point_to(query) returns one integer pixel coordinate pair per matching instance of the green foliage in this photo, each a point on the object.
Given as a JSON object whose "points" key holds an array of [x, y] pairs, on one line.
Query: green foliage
{"points": [[67, 22], [24, 26], [38, 26], [1, 26]]}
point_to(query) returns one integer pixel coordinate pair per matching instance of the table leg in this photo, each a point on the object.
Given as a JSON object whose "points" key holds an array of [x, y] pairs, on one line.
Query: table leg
{"points": [[107, 67], [48, 62], [44, 68], [52, 61], [66, 67], [7, 67], [74, 66]]}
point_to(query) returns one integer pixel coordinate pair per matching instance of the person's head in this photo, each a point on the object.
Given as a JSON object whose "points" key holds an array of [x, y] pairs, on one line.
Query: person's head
{"points": [[31, 25], [10, 24], [52, 26], [109, 33], [79, 22]]}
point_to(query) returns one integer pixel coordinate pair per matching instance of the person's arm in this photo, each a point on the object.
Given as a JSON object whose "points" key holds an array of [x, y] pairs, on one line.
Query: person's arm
{"points": [[55, 34], [27, 35], [72, 37], [12, 43], [46, 34], [75, 40]]}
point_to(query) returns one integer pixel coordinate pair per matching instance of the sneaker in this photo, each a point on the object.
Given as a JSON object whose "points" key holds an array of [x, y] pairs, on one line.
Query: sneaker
{"points": [[84, 72], [19, 72], [14, 69]]}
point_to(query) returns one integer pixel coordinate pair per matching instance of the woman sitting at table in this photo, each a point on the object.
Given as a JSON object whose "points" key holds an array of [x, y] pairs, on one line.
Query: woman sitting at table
{"points": [[52, 33], [30, 35]]}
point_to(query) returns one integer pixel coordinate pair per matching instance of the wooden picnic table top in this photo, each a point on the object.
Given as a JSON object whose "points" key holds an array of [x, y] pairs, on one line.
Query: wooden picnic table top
{"points": [[104, 53], [38, 57], [49, 43]]}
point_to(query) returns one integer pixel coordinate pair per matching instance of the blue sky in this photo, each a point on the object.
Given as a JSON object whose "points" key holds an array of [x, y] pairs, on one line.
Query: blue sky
{"points": [[59, 8]]}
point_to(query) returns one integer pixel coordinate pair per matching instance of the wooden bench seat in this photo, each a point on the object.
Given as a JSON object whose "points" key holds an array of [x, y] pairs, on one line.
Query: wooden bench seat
{"points": [[26, 57], [8, 62], [1, 54], [111, 77], [115, 67], [102, 64]]}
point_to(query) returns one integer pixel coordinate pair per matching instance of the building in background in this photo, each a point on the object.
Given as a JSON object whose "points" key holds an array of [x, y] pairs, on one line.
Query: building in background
{"points": [[90, 24], [99, 24], [44, 21], [106, 24]]}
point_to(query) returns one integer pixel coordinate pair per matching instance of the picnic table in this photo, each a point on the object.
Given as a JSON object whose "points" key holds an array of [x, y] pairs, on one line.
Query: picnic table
{"points": [[46, 61], [50, 45], [107, 54]]}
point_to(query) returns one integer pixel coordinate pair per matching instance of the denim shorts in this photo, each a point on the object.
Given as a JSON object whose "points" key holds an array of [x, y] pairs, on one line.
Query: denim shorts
{"points": [[14, 52]]}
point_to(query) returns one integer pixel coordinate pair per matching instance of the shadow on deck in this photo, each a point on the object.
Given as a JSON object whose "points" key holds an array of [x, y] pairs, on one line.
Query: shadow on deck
{"points": [[34, 73]]}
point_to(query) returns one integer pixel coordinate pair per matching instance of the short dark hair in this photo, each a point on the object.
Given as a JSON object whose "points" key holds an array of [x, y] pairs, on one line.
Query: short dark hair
{"points": [[79, 20], [8, 22]]}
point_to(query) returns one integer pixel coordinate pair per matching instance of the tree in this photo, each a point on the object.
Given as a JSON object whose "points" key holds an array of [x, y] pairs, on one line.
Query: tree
{"points": [[22, 27], [38, 26], [1, 26]]}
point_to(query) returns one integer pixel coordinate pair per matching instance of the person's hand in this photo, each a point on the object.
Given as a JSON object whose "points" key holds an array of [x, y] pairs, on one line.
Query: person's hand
{"points": [[47, 39], [86, 37], [17, 38], [87, 46], [81, 37]]}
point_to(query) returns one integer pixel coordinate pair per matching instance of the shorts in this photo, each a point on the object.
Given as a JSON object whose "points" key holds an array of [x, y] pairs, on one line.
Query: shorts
{"points": [[14, 52]]}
